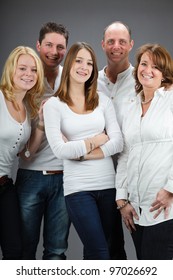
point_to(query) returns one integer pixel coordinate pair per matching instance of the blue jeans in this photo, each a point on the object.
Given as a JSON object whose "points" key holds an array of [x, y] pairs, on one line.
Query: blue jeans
{"points": [[154, 242], [98, 223], [41, 197]]}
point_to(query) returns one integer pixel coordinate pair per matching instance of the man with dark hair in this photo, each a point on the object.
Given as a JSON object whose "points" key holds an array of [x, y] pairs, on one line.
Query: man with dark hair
{"points": [[40, 177]]}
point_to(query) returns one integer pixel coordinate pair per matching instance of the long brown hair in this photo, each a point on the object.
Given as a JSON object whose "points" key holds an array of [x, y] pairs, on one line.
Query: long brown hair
{"points": [[91, 95], [161, 58]]}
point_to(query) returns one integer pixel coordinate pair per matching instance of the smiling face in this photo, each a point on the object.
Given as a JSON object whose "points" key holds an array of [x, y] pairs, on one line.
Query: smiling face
{"points": [[117, 43], [82, 66], [52, 49], [148, 73], [25, 76]]}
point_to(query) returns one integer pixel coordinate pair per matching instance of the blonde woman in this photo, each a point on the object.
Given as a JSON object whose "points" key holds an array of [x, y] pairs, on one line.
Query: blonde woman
{"points": [[21, 87]]}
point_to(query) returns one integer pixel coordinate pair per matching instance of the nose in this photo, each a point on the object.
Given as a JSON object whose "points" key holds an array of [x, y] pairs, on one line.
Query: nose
{"points": [[54, 50], [116, 45], [83, 66], [148, 69], [29, 71]]}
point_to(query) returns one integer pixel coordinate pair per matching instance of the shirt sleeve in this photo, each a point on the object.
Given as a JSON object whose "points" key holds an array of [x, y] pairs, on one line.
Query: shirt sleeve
{"points": [[169, 185], [115, 143], [52, 118], [121, 175]]}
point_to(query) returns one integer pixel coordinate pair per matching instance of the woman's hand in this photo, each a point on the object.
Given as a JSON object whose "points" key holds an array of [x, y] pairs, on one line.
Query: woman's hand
{"points": [[163, 202], [100, 139], [127, 213], [40, 112]]}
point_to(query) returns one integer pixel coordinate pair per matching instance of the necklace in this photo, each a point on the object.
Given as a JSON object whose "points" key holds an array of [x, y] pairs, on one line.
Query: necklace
{"points": [[145, 102], [27, 152], [143, 99]]}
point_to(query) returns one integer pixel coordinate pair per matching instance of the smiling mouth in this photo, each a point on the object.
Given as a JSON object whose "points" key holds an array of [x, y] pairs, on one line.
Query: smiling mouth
{"points": [[81, 73], [116, 53], [52, 58], [149, 77], [27, 81]]}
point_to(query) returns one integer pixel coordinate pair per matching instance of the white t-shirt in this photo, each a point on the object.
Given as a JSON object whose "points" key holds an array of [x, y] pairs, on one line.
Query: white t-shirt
{"points": [[90, 174]]}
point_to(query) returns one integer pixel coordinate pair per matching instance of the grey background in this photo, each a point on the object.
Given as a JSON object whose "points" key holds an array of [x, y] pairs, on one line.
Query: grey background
{"points": [[151, 21]]}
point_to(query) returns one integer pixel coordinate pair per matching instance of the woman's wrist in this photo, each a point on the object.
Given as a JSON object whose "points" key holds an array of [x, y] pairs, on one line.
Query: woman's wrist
{"points": [[121, 203], [90, 145]]}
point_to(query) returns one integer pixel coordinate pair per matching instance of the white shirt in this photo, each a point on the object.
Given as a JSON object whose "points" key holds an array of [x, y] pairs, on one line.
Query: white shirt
{"points": [[122, 92], [146, 164], [89, 174], [44, 159], [13, 137]]}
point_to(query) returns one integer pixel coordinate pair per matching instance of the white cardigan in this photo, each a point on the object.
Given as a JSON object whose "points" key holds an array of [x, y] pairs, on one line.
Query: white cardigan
{"points": [[146, 164], [90, 174]]}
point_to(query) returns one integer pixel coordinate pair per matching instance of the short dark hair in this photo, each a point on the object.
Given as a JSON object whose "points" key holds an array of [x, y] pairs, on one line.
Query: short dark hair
{"points": [[52, 27]]}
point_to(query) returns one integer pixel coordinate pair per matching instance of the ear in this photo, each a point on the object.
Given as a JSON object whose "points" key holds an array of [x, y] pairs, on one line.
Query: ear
{"points": [[103, 44], [131, 45], [38, 46]]}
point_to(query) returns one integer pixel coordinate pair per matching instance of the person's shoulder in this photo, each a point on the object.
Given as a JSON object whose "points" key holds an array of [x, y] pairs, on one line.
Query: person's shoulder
{"points": [[52, 101], [170, 88], [103, 97], [101, 72], [1, 95], [60, 68]]}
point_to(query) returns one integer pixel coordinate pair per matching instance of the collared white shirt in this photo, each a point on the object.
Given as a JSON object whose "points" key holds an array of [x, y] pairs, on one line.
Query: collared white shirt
{"points": [[122, 92], [146, 164]]}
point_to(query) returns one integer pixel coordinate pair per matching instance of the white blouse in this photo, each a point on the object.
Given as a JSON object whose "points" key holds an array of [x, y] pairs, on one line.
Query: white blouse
{"points": [[146, 164], [13, 137]]}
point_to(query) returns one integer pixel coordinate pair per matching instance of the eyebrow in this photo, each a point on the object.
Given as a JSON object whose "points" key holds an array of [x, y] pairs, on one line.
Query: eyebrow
{"points": [[84, 58], [25, 65]]}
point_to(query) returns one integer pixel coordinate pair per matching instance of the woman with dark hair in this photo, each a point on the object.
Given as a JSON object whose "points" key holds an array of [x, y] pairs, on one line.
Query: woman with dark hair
{"points": [[144, 178], [82, 129]]}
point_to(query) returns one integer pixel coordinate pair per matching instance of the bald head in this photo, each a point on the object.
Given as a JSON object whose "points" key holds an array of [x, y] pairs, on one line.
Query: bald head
{"points": [[119, 26]]}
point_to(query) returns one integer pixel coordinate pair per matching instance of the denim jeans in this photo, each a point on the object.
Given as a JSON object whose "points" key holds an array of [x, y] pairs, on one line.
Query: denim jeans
{"points": [[41, 197], [154, 242], [98, 223], [10, 224]]}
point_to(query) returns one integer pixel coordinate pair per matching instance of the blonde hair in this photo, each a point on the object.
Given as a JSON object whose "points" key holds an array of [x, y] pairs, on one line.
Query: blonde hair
{"points": [[33, 96]]}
